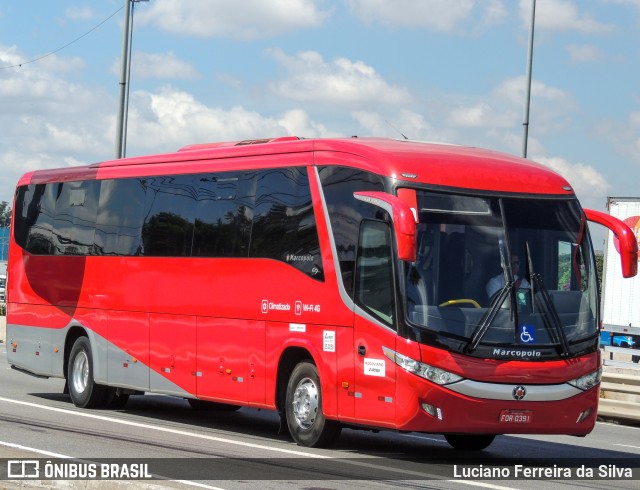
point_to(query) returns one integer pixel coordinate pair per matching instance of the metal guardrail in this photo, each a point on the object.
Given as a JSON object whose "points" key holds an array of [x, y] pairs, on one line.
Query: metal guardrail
{"points": [[620, 393], [622, 361]]}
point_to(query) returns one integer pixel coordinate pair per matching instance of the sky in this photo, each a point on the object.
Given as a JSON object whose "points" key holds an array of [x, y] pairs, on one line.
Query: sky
{"points": [[449, 71]]}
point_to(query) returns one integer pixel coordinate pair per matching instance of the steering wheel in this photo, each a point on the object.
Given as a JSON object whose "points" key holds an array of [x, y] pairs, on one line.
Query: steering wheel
{"points": [[452, 302]]}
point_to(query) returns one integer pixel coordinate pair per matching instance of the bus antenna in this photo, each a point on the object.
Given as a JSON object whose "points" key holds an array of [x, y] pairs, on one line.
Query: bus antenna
{"points": [[395, 129]]}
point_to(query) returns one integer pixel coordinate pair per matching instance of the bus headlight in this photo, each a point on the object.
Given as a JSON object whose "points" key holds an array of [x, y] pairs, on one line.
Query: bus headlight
{"points": [[587, 381], [433, 374]]}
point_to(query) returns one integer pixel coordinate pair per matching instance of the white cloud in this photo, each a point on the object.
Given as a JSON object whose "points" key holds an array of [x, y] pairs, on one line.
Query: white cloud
{"points": [[445, 16], [55, 123], [584, 53], [175, 118], [624, 136], [480, 115], [37, 90], [246, 19], [550, 109], [405, 123], [9, 57], [47, 121], [310, 79], [495, 12], [157, 65], [514, 90], [230, 80], [561, 15], [590, 186]]}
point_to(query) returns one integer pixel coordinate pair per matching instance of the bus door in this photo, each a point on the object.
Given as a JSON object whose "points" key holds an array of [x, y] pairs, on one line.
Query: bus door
{"points": [[374, 325]]}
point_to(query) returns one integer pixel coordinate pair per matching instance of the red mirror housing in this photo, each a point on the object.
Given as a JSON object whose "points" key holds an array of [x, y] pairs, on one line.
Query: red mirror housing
{"points": [[626, 239], [404, 222]]}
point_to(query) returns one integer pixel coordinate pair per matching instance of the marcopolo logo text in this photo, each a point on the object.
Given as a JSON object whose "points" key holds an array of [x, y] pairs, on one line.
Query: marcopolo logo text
{"points": [[498, 352]]}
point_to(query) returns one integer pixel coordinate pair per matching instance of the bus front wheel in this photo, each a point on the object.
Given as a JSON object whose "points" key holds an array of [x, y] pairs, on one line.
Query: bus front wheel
{"points": [[307, 424], [84, 391], [469, 442]]}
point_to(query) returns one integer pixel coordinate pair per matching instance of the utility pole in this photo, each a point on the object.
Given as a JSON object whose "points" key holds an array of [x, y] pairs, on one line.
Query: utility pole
{"points": [[125, 75], [525, 124]]}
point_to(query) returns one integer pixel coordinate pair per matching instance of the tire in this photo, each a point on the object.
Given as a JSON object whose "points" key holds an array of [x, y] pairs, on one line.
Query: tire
{"points": [[206, 405], [469, 442], [84, 391], [305, 420]]}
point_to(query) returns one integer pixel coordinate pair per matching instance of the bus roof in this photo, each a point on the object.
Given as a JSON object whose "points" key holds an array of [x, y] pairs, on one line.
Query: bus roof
{"points": [[411, 161]]}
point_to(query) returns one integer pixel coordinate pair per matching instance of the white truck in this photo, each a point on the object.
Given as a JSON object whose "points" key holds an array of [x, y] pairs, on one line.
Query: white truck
{"points": [[620, 297]]}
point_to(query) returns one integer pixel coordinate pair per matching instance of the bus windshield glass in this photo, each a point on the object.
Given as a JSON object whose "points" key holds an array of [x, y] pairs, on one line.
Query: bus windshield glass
{"points": [[502, 277]]}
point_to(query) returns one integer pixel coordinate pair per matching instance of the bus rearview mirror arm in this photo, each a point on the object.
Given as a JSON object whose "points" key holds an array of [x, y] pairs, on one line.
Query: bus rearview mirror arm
{"points": [[628, 243], [404, 221]]}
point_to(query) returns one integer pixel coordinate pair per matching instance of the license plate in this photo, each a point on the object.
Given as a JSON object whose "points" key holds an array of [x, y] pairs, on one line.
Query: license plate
{"points": [[516, 417]]}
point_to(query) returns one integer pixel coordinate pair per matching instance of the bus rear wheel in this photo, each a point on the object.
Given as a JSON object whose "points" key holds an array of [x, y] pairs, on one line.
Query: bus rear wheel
{"points": [[469, 442], [84, 391], [307, 424]]}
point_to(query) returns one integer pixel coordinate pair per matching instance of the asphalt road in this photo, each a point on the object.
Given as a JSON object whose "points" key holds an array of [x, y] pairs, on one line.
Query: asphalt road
{"points": [[184, 448]]}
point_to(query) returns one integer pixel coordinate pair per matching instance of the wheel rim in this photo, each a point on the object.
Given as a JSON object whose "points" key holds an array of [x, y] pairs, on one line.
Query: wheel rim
{"points": [[305, 403], [80, 375]]}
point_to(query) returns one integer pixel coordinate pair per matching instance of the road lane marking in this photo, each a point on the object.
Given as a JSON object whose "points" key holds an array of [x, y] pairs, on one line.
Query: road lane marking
{"points": [[64, 456], [169, 430], [627, 445], [423, 438], [39, 451], [406, 474]]}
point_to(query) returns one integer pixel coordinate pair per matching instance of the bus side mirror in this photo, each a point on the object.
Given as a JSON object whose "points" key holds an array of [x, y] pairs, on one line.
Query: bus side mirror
{"points": [[404, 222], [626, 238]]}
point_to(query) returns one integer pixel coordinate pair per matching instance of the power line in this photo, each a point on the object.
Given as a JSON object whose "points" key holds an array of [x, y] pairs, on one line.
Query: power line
{"points": [[63, 47]]}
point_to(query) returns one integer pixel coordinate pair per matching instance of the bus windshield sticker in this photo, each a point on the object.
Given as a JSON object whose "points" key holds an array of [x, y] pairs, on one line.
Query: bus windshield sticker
{"points": [[527, 334]]}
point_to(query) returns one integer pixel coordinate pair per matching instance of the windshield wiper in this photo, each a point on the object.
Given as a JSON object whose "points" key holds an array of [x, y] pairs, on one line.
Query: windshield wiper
{"points": [[487, 319], [508, 290], [550, 317]]}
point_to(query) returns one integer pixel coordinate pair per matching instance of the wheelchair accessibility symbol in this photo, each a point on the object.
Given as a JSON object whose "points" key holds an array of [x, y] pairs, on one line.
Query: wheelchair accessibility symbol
{"points": [[527, 334]]}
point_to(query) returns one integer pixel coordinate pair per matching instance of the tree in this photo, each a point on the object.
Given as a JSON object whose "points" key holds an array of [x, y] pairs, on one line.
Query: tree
{"points": [[599, 267], [5, 214]]}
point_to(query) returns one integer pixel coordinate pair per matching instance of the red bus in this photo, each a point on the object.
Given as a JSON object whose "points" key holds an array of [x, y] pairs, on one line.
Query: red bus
{"points": [[361, 282]]}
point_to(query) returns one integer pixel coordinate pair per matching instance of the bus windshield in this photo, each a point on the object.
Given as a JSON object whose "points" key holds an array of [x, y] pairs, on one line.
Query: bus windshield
{"points": [[502, 277]]}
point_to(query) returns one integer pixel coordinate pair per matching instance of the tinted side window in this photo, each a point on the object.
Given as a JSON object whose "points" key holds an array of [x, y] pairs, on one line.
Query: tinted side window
{"points": [[284, 226], [346, 213], [75, 217], [374, 291], [223, 214], [40, 204], [25, 213], [120, 217], [169, 215]]}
